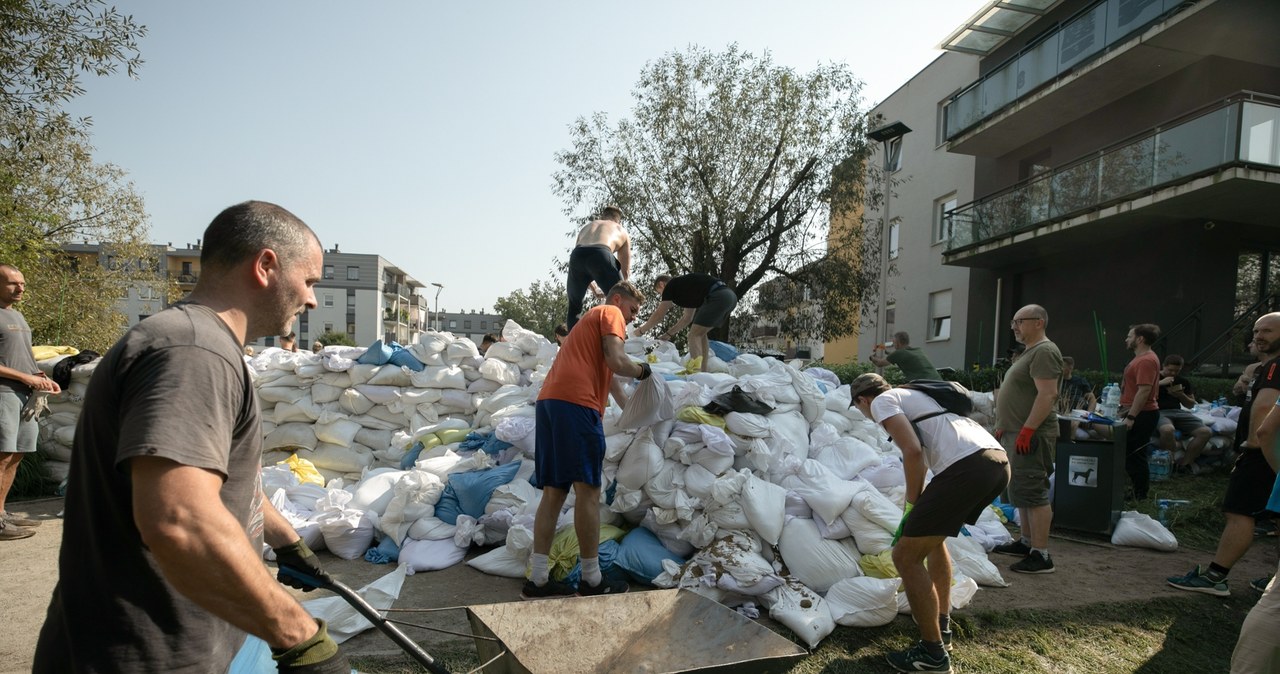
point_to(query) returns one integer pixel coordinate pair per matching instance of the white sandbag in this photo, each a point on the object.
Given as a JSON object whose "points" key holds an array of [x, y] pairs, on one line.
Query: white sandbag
{"points": [[641, 462], [698, 481], [802, 610], [863, 601], [342, 620], [500, 561], [968, 558], [347, 533], [325, 393], [291, 435], [500, 371], [962, 590], [353, 402], [418, 556], [812, 401], [827, 494], [650, 403], [504, 351], [871, 538], [764, 504], [360, 373], [483, 386], [353, 458], [789, 434], [748, 425], [380, 394], [391, 375], [373, 439], [376, 490], [448, 376], [432, 528], [58, 451], [456, 399], [279, 394], [303, 410], [847, 457], [336, 429], [817, 562], [1138, 530], [875, 506]]}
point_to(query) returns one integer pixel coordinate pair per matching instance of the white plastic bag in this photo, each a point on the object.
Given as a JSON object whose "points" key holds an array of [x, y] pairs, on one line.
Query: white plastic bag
{"points": [[1140, 531], [650, 403]]}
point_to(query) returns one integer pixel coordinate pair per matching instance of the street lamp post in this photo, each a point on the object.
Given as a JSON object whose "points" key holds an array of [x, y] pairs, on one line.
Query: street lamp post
{"points": [[439, 287], [886, 135]]}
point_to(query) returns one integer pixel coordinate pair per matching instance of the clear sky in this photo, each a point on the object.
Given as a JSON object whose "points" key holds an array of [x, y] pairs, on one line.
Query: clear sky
{"points": [[426, 131]]}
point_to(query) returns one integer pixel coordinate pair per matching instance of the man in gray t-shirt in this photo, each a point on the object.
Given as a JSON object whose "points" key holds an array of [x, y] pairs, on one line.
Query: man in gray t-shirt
{"points": [[19, 377], [161, 564]]}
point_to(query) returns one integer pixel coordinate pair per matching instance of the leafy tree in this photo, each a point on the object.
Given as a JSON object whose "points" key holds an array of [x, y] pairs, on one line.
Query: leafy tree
{"points": [[332, 338], [540, 308], [52, 193], [733, 166]]}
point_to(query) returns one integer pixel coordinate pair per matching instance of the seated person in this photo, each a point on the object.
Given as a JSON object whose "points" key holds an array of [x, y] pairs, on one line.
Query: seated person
{"points": [[1175, 392], [289, 342], [1075, 392], [561, 333]]}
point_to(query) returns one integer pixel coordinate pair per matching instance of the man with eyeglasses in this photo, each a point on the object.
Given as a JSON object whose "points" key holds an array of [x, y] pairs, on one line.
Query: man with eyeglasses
{"points": [[1028, 430]]}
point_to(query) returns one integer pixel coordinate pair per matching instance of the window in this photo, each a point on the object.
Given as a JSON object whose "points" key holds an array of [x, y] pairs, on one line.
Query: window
{"points": [[940, 315], [453, 324], [893, 241], [484, 325], [943, 227], [328, 300], [466, 325], [186, 268], [328, 327], [328, 271], [894, 161], [124, 293], [353, 273]]}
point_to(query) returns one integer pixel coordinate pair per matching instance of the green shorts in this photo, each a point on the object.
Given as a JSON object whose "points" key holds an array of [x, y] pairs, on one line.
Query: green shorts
{"points": [[1029, 482]]}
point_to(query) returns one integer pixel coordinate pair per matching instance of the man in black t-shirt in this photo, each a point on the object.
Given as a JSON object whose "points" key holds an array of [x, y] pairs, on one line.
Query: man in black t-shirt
{"points": [[707, 302], [161, 563], [1174, 394]]}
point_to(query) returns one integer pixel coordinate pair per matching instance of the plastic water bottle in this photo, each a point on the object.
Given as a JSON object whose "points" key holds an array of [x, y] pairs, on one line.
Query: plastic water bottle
{"points": [[1110, 401], [1163, 505], [1159, 464]]}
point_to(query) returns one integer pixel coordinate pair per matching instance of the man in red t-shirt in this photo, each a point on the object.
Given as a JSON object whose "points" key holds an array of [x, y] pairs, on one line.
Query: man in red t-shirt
{"points": [[569, 437], [1138, 402]]}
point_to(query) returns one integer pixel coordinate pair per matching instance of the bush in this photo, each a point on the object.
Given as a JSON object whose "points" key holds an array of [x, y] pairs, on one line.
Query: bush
{"points": [[335, 339]]}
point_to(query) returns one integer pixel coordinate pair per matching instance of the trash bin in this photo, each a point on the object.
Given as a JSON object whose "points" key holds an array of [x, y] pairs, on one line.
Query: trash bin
{"points": [[1089, 481]]}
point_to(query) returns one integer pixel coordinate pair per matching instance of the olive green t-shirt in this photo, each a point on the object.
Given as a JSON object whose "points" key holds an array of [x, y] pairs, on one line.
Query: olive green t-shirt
{"points": [[913, 363], [1018, 391]]}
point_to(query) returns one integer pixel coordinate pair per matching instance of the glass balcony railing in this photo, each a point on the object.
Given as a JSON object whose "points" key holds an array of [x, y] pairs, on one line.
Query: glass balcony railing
{"points": [[1081, 38], [1242, 130]]}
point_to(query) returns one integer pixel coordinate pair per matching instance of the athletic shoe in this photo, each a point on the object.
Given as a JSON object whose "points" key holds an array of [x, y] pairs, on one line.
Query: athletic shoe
{"points": [[551, 590], [1259, 585], [1196, 581], [20, 521], [1033, 563], [917, 659], [1265, 528], [1015, 547], [10, 532], [606, 586]]}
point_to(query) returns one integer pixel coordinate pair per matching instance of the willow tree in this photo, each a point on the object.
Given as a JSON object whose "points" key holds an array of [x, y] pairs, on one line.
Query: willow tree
{"points": [[732, 165], [52, 192]]}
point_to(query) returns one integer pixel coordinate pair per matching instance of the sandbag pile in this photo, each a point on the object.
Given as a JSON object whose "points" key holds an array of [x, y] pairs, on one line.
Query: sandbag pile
{"points": [[58, 425]]}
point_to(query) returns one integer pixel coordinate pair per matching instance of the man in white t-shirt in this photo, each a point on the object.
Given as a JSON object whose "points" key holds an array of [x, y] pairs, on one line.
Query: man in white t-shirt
{"points": [[969, 471]]}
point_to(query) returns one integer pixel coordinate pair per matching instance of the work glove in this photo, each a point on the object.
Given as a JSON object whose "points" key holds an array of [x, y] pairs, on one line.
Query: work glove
{"points": [[999, 433], [905, 511], [645, 371], [1023, 443], [317, 655], [37, 404], [300, 558]]}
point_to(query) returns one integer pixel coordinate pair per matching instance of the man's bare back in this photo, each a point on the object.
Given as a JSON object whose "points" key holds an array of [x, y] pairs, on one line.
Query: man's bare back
{"points": [[604, 233]]}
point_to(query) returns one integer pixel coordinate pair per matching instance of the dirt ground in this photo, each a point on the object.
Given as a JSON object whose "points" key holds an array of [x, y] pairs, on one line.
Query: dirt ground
{"points": [[1088, 571]]}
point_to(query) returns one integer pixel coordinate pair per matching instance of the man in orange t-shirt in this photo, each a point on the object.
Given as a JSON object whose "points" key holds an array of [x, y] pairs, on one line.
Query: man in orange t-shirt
{"points": [[570, 437], [1138, 403]]}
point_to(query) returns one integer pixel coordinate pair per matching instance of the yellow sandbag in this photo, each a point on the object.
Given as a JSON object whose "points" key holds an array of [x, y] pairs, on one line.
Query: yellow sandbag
{"points": [[564, 549], [697, 415], [879, 566], [305, 470], [451, 435], [429, 441], [45, 352], [692, 366]]}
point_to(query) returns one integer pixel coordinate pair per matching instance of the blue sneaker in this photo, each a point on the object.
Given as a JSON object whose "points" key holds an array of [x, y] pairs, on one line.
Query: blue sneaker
{"points": [[1259, 585], [1197, 581], [917, 659]]}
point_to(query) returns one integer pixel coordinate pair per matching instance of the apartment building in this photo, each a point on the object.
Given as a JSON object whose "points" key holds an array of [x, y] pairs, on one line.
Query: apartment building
{"points": [[470, 324], [1125, 163]]}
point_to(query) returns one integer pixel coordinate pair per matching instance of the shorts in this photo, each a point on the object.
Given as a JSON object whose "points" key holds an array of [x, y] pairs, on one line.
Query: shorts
{"points": [[1183, 421], [569, 442], [958, 495], [1250, 483], [717, 307], [16, 435], [1029, 483]]}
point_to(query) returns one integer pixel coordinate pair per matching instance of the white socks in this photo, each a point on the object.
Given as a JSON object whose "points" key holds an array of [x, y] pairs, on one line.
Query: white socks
{"points": [[540, 574], [591, 570]]}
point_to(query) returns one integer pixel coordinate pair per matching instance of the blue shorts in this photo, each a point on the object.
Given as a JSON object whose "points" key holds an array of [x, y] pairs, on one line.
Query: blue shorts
{"points": [[569, 445]]}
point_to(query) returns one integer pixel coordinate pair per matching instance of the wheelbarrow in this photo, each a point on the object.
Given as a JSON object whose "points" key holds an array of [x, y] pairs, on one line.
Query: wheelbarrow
{"points": [[657, 632]]}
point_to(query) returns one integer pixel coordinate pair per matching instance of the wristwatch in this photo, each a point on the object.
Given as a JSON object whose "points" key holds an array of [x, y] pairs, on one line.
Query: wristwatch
{"points": [[1130, 417]]}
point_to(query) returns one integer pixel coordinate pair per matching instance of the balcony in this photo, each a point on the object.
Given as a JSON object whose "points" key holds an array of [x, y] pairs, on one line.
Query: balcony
{"points": [[1107, 51], [1217, 163]]}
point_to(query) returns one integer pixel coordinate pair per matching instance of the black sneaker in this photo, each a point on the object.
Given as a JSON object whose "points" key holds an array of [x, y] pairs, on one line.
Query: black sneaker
{"points": [[1015, 547], [606, 586], [1259, 585], [551, 590], [1033, 563], [917, 659]]}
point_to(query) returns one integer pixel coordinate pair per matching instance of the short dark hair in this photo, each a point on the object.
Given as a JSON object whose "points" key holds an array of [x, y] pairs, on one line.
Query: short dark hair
{"points": [[611, 213], [239, 232], [490, 338], [625, 288], [562, 330], [1149, 332], [1173, 359], [662, 278], [902, 337], [869, 384], [1068, 360]]}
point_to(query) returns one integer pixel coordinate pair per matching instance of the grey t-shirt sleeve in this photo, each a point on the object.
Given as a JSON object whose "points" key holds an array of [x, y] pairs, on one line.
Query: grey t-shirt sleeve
{"points": [[180, 403]]}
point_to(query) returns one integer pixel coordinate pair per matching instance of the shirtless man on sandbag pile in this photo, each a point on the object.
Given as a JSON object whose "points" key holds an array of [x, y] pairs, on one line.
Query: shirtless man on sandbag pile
{"points": [[600, 258]]}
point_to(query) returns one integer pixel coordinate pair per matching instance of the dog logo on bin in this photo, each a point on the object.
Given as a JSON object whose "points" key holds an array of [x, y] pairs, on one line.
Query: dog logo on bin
{"points": [[1083, 471]]}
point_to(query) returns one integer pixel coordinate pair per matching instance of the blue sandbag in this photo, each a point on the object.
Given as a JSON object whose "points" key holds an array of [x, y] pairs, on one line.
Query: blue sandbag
{"points": [[405, 358], [722, 351], [474, 488], [254, 657], [385, 552], [411, 456], [609, 569], [377, 354], [448, 508], [640, 554]]}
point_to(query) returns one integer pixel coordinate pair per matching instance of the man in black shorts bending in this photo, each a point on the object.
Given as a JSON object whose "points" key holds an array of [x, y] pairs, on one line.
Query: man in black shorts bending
{"points": [[707, 302], [1252, 477], [969, 471]]}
